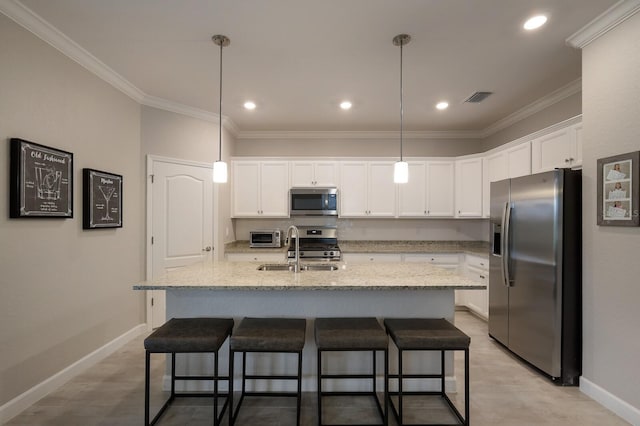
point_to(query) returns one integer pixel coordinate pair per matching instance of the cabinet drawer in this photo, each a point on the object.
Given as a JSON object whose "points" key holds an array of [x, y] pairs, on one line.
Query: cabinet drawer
{"points": [[372, 257], [436, 259], [256, 257], [477, 262], [478, 274]]}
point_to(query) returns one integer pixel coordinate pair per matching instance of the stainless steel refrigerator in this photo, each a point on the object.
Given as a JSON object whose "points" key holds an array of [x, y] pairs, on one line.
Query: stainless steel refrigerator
{"points": [[535, 271]]}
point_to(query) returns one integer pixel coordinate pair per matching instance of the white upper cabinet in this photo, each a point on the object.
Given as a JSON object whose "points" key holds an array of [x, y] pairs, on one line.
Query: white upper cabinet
{"points": [[260, 189], [430, 190], [412, 196], [504, 164], [469, 187], [367, 189], [440, 188], [519, 160], [314, 173], [562, 148]]}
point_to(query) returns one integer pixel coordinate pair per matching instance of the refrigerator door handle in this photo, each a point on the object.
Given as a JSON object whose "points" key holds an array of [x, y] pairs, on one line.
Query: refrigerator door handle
{"points": [[506, 238]]}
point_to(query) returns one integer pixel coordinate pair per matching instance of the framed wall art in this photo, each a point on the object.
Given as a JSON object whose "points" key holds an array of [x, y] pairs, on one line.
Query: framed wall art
{"points": [[101, 199], [41, 181], [618, 190]]}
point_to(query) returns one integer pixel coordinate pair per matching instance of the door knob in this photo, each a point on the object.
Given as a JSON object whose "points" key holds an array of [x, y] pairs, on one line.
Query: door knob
{"points": [[207, 248]]}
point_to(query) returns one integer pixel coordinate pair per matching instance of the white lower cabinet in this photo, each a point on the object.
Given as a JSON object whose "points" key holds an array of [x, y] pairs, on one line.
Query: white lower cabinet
{"points": [[447, 261], [256, 257], [372, 257], [477, 269]]}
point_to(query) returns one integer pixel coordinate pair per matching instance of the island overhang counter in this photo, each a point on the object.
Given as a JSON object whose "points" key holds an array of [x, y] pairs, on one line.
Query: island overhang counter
{"points": [[239, 289]]}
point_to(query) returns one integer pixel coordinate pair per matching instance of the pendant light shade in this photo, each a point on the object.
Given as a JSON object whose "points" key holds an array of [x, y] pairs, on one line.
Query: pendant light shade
{"points": [[220, 167], [401, 168], [401, 172]]}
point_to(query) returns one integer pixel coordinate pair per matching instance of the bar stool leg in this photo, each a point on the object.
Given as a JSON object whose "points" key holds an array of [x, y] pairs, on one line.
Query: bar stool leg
{"points": [[231, 375], [299, 398], [147, 372], [400, 399], [466, 386], [319, 376], [386, 386]]}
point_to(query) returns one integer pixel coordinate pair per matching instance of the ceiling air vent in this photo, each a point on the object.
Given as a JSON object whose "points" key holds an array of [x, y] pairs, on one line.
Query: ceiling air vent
{"points": [[478, 97]]}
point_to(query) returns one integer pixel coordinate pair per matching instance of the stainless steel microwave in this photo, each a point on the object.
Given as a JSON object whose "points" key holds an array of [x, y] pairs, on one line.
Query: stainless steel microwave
{"points": [[313, 201], [265, 238]]}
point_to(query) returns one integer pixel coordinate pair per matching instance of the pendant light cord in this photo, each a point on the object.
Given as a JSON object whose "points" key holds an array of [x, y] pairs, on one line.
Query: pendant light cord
{"points": [[401, 103], [220, 111]]}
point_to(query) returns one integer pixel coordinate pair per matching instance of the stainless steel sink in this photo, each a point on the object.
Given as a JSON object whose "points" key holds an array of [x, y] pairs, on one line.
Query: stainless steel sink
{"points": [[275, 267], [305, 267], [319, 267]]}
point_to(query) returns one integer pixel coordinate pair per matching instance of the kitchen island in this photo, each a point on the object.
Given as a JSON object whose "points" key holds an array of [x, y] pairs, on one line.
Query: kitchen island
{"points": [[239, 289]]}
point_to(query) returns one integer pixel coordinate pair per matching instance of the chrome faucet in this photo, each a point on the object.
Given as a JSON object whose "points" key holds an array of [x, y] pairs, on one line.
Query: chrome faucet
{"points": [[296, 264]]}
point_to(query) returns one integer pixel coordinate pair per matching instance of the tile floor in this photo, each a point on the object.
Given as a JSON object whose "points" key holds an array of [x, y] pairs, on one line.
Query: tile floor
{"points": [[503, 392]]}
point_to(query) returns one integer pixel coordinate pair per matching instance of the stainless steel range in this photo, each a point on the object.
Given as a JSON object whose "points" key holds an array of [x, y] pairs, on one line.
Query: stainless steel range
{"points": [[316, 242]]}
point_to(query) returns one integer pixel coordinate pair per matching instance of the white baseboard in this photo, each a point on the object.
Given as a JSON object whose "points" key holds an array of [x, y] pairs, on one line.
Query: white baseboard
{"points": [[623, 409], [42, 389]]}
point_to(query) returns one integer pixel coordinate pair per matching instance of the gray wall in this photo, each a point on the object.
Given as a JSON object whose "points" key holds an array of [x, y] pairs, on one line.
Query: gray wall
{"points": [[356, 147], [560, 111], [611, 112], [64, 292]]}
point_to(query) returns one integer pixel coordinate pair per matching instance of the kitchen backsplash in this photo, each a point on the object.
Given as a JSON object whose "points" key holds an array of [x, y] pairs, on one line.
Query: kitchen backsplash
{"points": [[379, 229]]}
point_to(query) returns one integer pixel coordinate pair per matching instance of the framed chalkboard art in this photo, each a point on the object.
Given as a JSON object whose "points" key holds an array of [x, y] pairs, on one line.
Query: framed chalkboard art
{"points": [[101, 199], [618, 190], [41, 181]]}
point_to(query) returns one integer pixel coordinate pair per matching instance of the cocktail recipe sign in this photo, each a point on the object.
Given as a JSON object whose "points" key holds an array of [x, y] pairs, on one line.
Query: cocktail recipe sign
{"points": [[41, 181]]}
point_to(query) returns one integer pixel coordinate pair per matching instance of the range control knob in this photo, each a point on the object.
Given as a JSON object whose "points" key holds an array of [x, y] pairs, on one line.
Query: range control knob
{"points": [[325, 253]]}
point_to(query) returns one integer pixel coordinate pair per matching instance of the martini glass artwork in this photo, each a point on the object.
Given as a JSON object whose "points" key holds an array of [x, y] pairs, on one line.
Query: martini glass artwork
{"points": [[107, 192]]}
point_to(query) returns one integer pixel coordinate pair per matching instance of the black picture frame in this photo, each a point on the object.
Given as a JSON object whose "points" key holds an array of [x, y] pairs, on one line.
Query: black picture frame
{"points": [[618, 190], [101, 199], [41, 181]]}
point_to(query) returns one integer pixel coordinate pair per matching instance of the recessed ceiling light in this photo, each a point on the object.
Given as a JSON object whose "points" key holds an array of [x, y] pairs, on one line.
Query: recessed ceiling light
{"points": [[345, 105], [535, 22], [442, 105], [250, 105]]}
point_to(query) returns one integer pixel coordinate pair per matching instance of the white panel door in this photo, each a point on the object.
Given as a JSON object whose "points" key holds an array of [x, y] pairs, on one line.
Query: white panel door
{"points": [[382, 189], [494, 169], [551, 151], [246, 189], [353, 189], [182, 222], [412, 195], [440, 188], [469, 187], [274, 176], [519, 160], [302, 173], [326, 173]]}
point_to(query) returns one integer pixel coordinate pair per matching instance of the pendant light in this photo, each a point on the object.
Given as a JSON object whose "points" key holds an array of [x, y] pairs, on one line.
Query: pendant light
{"points": [[401, 168], [220, 167]]}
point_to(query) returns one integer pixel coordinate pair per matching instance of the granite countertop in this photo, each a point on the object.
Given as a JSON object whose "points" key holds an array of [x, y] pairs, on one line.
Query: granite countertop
{"points": [[480, 248], [351, 276]]}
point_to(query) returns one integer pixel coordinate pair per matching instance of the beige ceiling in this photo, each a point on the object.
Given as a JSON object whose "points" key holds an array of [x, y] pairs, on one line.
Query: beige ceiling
{"points": [[297, 59]]}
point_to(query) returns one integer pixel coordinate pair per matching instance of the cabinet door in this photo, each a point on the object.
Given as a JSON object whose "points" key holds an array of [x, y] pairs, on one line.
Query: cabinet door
{"points": [[381, 189], [412, 195], [246, 188], [302, 173], [440, 188], [551, 151], [274, 189], [494, 169], [353, 189], [326, 173], [577, 137], [519, 160], [469, 188]]}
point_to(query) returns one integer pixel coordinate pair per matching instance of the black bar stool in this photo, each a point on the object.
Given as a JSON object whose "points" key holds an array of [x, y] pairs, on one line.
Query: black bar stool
{"points": [[187, 335], [352, 334], [425, 334], [272, 335]]}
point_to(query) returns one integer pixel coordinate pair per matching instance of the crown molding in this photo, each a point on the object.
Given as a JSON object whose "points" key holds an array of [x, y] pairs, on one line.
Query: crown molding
{"points": [[166, 105], [28, 19], [534, 107], [319, 134], [604, 23]]}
